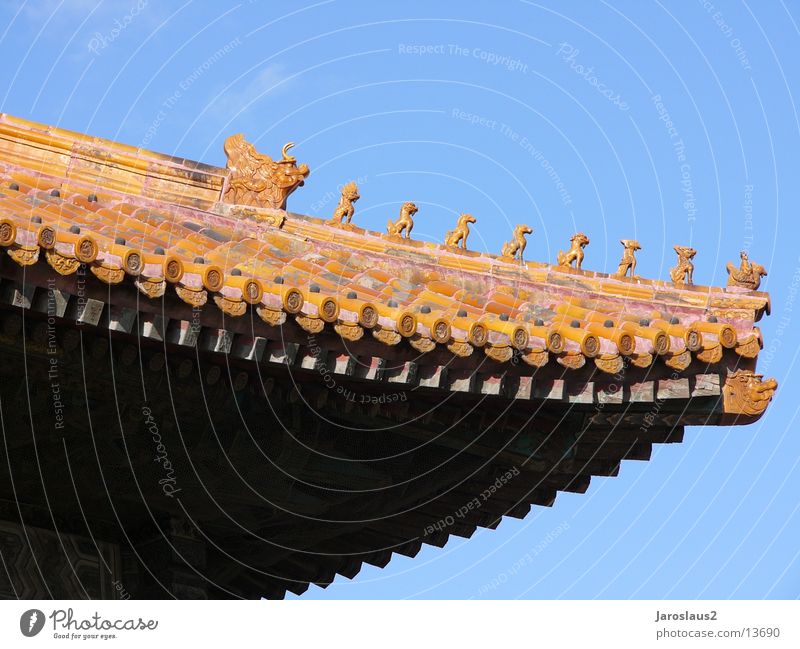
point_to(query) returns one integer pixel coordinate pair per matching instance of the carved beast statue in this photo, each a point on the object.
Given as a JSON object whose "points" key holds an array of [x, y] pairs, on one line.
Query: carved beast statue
{"points": [[458, 236], [682, 273], [515, 248], [345, 209], [746, 393], [405, 223], [257, 180], [628, 261], [575, 253], [748, 275]]}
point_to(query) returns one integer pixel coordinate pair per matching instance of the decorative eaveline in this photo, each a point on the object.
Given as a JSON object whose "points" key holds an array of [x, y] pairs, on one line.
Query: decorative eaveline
{"points": [[180, 231]]}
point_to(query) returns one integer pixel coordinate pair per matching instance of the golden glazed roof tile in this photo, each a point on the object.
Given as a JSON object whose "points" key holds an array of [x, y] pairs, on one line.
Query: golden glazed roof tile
{"points": [[139, 214]]}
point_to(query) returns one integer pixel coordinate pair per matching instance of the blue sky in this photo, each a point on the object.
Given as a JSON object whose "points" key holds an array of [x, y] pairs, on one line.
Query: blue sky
{"points": [[667, 122]]}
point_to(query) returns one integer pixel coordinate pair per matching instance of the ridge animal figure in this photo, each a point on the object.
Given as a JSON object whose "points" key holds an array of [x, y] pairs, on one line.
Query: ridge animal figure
{"points": [[459, 235], [405, 223], [628, 261], [575, 253], [748, 275], [515, 248], [345, 209], [256, 180], [682, 273]]}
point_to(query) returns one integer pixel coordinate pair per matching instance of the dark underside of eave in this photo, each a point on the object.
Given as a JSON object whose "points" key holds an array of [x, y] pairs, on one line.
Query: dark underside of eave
{"points": [[278, 488]]}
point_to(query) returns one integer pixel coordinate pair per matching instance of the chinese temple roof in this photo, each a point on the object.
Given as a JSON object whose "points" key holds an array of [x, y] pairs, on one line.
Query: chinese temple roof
{"points": [[375, 383], [164, 224]]}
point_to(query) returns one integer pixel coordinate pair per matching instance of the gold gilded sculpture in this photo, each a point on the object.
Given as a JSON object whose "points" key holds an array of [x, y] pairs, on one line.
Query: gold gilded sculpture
{"points": [[458, 236], [748, 275], [682, 273], [628, 261], [405, 223], [747, 393], [575, 253], [515, 248], [345, 209], [257, 180]]}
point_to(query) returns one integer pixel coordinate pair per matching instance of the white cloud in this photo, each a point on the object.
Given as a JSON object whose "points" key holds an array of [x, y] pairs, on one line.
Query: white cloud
{"points": [[270, 80]]}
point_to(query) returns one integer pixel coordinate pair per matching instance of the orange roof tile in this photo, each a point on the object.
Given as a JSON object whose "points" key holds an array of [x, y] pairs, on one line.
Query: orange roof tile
{"points": [[326, 275]]}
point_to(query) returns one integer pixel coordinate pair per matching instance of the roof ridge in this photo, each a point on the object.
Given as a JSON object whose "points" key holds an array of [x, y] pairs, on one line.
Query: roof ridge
{"points": [[151, 180]]}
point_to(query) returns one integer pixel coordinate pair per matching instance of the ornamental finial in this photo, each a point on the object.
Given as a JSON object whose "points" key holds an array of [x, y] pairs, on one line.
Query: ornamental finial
{"points": [[515, 248], [255, 179], [458, 236], [748, 275], [575, 253], [747, 393], [628, 261], [682, 273], [346, 208], [405, 223]]}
